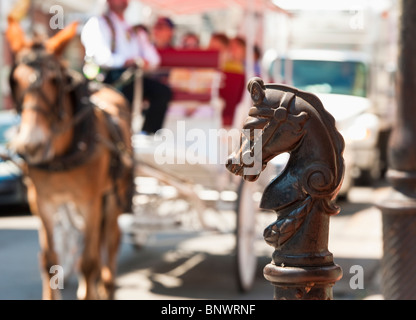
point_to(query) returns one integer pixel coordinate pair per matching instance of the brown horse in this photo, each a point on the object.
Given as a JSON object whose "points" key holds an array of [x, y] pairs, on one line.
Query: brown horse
{"points": [[76, 143]]}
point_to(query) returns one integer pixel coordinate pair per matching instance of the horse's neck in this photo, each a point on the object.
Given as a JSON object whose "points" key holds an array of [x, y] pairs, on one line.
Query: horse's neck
{"points": [[316, 145]]}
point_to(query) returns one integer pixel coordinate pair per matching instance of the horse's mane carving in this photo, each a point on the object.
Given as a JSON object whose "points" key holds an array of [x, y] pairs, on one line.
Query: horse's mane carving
{"points": [[332, 174]]}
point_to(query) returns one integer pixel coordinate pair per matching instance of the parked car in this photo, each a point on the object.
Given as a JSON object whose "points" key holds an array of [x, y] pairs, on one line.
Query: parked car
{"points": [[341, 81], [12, 188]]}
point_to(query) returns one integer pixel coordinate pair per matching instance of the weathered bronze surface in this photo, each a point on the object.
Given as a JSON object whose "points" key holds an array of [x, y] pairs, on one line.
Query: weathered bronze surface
{"points": [[294, 121], [399, 209]]}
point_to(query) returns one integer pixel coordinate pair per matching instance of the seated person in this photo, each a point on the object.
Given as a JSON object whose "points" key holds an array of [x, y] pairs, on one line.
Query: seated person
{"points": [[114, 46]]}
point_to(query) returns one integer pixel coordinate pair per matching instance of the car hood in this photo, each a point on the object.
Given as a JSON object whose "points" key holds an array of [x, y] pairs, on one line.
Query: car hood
{"points": [[343, 107], [8, 168]]}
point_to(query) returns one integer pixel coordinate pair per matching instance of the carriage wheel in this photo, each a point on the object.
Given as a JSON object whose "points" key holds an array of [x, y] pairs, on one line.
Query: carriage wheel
{"points": [[245, 236]]}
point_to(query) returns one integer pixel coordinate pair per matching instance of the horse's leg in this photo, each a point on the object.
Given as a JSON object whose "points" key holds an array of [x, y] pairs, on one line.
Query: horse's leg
{"points": [[90, 259], [47, 255], [47, 259], [110, 242]]}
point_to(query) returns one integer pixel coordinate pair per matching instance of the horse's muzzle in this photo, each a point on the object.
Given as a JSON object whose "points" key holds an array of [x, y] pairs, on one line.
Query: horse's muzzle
{"points": [[234, 165], [237, 167], [33, 152]]}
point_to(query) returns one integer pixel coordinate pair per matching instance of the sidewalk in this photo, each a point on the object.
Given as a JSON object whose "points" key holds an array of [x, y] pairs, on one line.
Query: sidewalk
{"points": [[201, 266], [356, 240]]}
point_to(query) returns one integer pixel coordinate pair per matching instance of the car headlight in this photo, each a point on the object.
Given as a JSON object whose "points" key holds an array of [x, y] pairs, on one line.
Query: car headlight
{"points": [[364, 129]]}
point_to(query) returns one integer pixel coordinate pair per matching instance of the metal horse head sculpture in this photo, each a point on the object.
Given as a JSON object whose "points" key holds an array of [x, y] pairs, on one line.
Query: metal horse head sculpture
{"points": [[293, 121]]}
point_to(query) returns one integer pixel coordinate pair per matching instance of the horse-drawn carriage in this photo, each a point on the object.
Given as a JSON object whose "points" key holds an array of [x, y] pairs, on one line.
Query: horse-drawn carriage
{"points": [[181, 180], [75, 139]]}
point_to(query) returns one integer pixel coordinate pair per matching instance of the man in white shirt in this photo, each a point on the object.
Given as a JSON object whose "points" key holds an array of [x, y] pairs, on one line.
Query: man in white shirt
{"points": [[114, 46]]}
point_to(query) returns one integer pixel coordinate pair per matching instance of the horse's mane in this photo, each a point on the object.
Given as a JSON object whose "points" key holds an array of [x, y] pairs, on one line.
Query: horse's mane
{"points": [[328, 120], [336, 138]]}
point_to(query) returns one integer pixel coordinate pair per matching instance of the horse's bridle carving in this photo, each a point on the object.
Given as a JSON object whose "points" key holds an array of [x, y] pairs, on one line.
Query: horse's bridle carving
{"points": [[274, 115]]}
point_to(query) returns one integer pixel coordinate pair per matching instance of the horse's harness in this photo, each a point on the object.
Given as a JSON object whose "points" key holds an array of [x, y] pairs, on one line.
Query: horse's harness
{"points": [[274, 116], [83, 118]]}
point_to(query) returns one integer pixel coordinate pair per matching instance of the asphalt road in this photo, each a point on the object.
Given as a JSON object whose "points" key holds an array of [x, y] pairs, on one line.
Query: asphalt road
{"points": [[197, 264]]}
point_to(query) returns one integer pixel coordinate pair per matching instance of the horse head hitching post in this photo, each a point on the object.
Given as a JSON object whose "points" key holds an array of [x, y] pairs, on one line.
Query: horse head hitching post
{"points": [[302, 196]]}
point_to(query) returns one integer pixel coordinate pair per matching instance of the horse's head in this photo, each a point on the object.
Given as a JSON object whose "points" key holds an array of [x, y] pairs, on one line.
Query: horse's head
{"points": [[285, 119], [39, 86], [273, 127]]}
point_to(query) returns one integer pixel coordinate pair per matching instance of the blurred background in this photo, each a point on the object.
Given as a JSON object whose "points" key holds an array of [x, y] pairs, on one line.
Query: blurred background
{"points": [[343, 51]]}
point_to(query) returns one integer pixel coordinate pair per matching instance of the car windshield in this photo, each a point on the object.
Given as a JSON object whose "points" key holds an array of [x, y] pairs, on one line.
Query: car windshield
{"points": [[318, 76], [3, 129], [6, 125]]}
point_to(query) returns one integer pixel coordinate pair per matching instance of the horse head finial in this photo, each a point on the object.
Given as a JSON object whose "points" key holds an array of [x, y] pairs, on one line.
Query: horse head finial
{"points": [[303, 195]]}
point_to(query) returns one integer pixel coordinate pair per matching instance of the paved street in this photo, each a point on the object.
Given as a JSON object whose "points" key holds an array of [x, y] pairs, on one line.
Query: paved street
{"points": [[199, 265]]}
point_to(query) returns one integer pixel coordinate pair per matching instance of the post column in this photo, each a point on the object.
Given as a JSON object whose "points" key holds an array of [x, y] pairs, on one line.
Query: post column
{"points": [[399, 209]]}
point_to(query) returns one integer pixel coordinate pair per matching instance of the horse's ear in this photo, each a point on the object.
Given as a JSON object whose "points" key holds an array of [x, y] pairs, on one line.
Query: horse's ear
{"points": [[15, 35], [257, 90], [58, 42]]}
